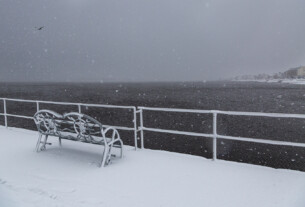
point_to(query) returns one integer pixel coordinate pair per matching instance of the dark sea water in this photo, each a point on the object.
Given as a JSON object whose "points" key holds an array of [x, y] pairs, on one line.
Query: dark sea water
{"points": [[228, 96]]}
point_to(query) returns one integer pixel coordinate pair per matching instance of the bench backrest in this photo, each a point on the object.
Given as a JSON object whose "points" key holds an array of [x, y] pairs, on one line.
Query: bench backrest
{"points": [[85, 127], [47, 122], [72, 125]]}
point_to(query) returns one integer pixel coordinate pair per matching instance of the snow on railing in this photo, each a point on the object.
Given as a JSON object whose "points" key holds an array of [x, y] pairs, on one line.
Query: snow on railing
{"points": [[79, 105], [142, 128]]}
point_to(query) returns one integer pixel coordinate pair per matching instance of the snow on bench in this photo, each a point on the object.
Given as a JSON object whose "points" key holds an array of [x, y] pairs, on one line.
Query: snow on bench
{"points": [[76, 127]]}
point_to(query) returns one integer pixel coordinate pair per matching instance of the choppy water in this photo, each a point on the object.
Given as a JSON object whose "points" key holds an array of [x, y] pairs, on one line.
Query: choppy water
{"points": [[258, 97]]}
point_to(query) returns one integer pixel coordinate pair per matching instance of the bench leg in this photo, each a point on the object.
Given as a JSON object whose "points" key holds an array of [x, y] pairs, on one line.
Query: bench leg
{"points": [[121, 154], [38, 142], [43, 147], [59, 140], [105, 156], [116, 138]]}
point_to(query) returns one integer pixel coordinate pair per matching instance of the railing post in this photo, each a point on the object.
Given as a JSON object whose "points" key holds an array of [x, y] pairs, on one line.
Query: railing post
{"points": [[141, 125], [5, 114], [37, 105], [79, 108], [214, 136], [135, 127]]}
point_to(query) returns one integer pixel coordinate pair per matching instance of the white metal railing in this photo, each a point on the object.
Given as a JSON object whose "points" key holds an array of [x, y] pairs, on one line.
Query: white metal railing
{"points": [[140, 110], [215, 135], [79, 105]]}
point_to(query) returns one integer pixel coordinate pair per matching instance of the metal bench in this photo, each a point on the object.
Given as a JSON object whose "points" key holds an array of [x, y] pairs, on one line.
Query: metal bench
{"points": [[76, 127]]}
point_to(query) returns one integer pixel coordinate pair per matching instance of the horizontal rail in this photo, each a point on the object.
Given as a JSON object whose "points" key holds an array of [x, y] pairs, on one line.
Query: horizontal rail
{"points": [[69, 103], [262, 141], [109, 106], [120, 127], [273, 115], [29, 117], [245, 139], [177, 132], [18, 116], [236, 113], [176, 110]]}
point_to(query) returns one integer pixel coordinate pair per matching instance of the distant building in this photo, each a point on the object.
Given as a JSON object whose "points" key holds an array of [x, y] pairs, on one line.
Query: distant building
{"points": [[301, 71], [298, 72]]}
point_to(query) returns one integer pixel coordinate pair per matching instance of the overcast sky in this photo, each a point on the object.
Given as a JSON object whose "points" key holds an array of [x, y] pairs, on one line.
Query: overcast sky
{"points": [[148, 40]]}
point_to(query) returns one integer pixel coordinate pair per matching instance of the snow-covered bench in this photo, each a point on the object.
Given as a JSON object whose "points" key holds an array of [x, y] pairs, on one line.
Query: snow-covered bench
{"points": [[77, 127]]}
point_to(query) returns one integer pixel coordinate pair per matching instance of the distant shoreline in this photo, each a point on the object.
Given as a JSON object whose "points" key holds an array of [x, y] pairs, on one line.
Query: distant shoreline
{"points": [[289, 81]]}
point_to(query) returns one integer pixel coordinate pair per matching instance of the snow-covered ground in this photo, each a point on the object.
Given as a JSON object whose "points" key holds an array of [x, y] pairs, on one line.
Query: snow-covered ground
{"points": [[69, 177]]}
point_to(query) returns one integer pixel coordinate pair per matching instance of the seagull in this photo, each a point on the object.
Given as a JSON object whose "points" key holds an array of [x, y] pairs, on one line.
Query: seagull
{"points": [[39, 28]]}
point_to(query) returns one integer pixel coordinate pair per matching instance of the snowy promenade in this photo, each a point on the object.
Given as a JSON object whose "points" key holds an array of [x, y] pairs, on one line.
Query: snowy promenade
{"points": [[145, 178]]}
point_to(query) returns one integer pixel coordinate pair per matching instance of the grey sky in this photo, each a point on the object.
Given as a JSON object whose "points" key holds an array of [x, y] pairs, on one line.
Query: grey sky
{"points": [[148, 40]]}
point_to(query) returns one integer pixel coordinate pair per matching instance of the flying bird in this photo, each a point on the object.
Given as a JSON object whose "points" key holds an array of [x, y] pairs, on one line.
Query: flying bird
{"points": [[39, 28]]}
